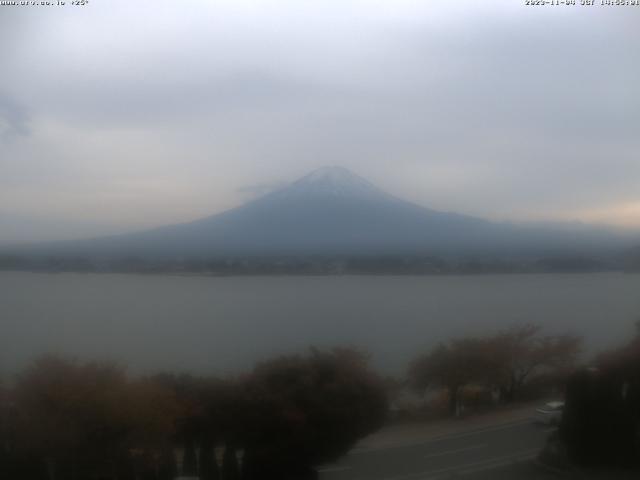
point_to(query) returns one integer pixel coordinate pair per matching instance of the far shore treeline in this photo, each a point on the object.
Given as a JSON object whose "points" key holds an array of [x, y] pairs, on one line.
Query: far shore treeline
{"points": [[410, 264]]}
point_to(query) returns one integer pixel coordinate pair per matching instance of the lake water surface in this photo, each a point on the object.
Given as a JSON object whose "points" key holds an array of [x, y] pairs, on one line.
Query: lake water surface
{"points": [[225, 324]]}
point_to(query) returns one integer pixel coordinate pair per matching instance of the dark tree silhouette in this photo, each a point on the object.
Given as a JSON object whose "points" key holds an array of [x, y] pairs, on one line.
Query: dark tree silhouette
{"points": [[230, 467], [505, 361], [89, 420], [452, 366], [189, 462], [208, 465], [302, 411], [601, 421], [521, 352], [79, 420]]}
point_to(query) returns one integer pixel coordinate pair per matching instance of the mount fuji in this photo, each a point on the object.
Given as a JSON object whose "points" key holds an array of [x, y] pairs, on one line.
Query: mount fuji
{"points": [[333, 211]]}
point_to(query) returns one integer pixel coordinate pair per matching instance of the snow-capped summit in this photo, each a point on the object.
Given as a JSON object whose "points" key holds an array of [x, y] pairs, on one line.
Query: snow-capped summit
{"points": [[335, 181]]}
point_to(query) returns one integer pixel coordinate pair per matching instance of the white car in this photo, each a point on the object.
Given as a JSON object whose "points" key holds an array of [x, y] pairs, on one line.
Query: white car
{"points": [[549, 414]]}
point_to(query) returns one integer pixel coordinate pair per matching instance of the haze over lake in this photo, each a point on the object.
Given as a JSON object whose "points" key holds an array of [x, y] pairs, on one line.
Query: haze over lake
{"points": [[224, 324]]}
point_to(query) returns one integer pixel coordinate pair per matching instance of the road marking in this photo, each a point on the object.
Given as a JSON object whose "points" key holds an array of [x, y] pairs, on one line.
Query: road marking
{"points": [[491, 465], [333, 469], [451, 452], [417, 443], [486, 464]]}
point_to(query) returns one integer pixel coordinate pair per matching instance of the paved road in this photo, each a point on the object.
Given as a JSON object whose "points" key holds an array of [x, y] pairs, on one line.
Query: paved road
{"points": [[496, 452]]}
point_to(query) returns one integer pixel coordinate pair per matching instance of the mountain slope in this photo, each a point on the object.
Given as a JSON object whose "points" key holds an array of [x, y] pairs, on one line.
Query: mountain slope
{"points": [[333, 212]]}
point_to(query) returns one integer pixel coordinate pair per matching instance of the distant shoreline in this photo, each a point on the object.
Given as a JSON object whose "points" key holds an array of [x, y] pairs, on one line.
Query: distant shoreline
{"points": [[319, 274], [321, 265]]}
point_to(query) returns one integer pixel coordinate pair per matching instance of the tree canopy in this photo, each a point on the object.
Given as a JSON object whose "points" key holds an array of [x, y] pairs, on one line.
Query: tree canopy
{"points": [[307, 410], [505, 361], [75, 420]]}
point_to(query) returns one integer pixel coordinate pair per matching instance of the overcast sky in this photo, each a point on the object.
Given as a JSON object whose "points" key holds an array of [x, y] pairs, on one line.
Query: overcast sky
{"points": [[122, 115]]}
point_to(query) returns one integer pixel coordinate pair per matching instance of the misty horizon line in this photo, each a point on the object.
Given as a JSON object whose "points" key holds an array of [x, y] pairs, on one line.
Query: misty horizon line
{"points": [[258, 192]]}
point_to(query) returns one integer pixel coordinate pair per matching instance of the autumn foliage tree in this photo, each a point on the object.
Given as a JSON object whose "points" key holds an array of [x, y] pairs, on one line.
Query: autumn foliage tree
{"points": [[521, 352], [302, 411], [211, 411], [453, 365], [88, 419], [505, 361]]}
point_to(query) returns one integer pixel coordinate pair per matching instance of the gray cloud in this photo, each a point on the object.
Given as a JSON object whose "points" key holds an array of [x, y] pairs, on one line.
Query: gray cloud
{"points": [[496, 111], [14, 119], [260, 189]]}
